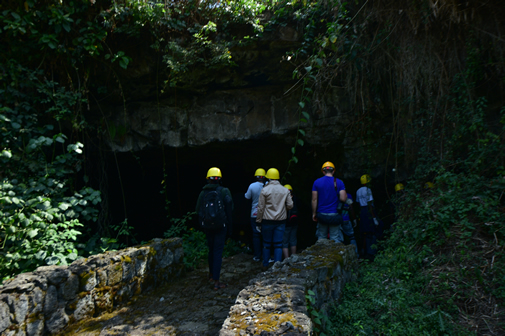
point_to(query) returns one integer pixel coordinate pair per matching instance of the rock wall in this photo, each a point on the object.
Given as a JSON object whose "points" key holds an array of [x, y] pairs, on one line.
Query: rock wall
{"points": [[47, 300], [275, 303]]}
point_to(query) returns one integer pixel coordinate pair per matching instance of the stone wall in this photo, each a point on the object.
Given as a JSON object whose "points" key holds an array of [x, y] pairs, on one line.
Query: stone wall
{"points": [[50, 298], [274, 303]]}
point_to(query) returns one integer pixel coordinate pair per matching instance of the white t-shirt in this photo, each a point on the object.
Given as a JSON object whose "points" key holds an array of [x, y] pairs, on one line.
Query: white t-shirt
{"points": [[364, 195]]}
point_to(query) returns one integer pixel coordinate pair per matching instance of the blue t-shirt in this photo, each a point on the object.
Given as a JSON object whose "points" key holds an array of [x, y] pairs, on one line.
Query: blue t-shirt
{"points": [[345, 215], [253, 193], [327, 196]]}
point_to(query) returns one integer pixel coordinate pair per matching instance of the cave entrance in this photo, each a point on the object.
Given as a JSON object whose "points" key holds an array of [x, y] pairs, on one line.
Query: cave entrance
{"points": [[135, 189]]}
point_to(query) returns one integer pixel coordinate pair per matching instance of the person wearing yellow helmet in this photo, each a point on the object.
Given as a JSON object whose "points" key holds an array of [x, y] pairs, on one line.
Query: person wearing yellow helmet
{"points": [[214, 208], [289, 240], [368, 219], [399, 187], [273, 205], [328, 197], [253, 194]]}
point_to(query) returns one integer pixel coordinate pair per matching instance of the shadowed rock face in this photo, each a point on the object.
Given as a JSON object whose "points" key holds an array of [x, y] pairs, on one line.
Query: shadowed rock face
{"points": [[229, 115], [257, 98]]}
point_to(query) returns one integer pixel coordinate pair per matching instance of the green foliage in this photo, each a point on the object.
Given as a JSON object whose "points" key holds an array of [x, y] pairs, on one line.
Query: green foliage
{"points": [[195, 242], [379, 303], [443, 252], [40, 212], [201, 51], [189, 35], [320, 319], [233, 247]]}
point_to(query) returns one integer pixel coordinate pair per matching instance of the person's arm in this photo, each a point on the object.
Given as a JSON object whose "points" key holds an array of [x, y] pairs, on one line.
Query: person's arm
{"points": [[228, 203], [314, 205], [248, 194], [370, 208], [289, 202], [198, 202], [261, 207], [369, 202], [294, 210], [343, 195], [228, 199]]}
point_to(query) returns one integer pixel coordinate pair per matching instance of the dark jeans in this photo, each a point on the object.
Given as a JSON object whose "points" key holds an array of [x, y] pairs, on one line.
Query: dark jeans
{"points": [[348, 230], [370, 240], [256, 238], [215, 242], [272, 232]]}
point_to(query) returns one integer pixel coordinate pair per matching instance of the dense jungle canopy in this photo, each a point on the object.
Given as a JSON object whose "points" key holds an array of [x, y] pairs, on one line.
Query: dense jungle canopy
{"points": [[415, 88]]}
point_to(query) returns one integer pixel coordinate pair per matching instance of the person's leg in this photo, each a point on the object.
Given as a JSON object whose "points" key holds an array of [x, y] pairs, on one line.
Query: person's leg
{"points": [[370, 240], [285, 242], [256, 240], [349, 232], [219, 240], [331, 226], [210, 256], [321, 231], [347, 228], [267, 234], [292, 239], [277, 241], [336, 233]]}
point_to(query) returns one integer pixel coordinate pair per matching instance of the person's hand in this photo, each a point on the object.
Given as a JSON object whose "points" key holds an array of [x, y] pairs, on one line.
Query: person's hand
{"points": [[258, 228], [354, 223], [314, 218], [376, 221], [349, 201]]}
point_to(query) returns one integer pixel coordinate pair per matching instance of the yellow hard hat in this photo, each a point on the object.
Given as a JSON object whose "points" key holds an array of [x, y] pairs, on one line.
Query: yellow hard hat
{"points": [[272, 174], [365, 179], [259, 172], [399, 187], [287, 186], [327, 164], [214, 172], [429, 185]]}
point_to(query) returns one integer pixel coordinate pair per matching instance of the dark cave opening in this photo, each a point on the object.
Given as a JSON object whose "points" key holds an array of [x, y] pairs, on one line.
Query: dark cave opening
{"points": [[135, 189]]}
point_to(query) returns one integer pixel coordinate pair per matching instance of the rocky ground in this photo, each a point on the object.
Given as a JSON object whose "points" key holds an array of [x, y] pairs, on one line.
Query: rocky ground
{"points": [[187, 306]]}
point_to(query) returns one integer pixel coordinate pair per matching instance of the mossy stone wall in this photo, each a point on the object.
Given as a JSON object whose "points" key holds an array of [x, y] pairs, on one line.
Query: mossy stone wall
{"points": [[275, 301], [52, 297]]}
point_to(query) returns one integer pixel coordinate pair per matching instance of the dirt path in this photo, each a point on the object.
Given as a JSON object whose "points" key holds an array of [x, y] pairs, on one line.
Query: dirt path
{"points": [[187, 306]]}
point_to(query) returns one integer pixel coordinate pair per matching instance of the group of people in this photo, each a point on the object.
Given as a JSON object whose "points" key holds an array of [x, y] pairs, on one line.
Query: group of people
{"points": [[274, 215], [335, 216]]}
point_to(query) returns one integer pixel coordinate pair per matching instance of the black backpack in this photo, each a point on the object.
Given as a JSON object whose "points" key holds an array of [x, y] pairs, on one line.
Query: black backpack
{"points": [[212, 211]]}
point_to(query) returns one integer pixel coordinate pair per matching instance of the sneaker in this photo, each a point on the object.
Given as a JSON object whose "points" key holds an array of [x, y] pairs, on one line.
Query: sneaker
{"points": [[271, 260], [256, 259]]}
